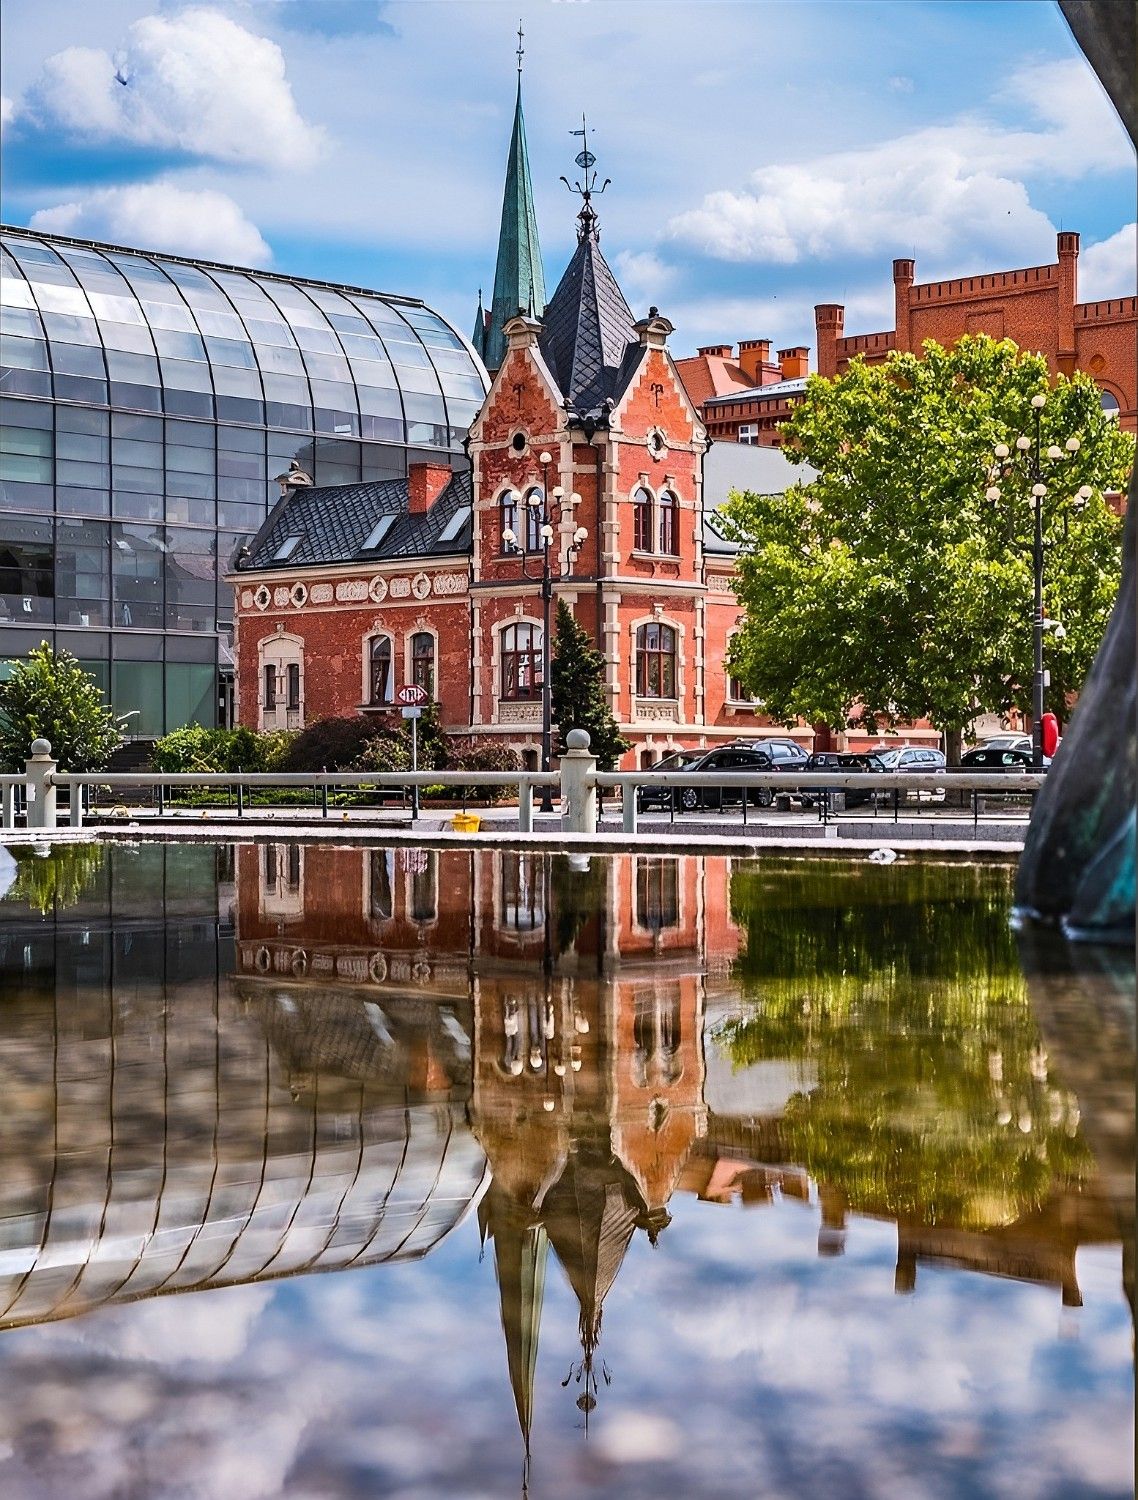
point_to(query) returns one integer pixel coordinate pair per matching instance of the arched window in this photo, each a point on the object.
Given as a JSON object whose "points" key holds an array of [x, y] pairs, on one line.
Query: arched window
{"points": [[508, 517], [1109, 405], [669, 529], [642, 520], [423, 661], [380, 670], [535, 508], [656, 661], [522, 662]]}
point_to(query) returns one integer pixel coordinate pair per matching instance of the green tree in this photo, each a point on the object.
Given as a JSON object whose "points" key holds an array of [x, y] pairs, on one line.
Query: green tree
{"points": [[47, 695], [889, 587], [579, 698]]}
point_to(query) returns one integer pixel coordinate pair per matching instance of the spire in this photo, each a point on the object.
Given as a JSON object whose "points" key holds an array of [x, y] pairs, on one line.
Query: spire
{"points": [[519, 281], [478, 337]]}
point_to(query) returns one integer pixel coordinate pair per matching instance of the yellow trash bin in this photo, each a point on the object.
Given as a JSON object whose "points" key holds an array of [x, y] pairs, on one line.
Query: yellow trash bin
{"points": [[466, 822]]}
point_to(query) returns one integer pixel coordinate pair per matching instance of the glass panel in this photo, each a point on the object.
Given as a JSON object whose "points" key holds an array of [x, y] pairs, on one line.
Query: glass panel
{"points": [[190, 693], [136, 453], [243, 516], [23, 354], [24, 382], [126, 337], [138, 505], [85, 446], [71, 471], [26, 581], [136, 571], [80, 502], [191, 579], [25, 413], [191, 511], [25, 468], [29, 440], [77, 359], [186, 375], [189, 460], [136, 690], [82, 573], [77, 419]]}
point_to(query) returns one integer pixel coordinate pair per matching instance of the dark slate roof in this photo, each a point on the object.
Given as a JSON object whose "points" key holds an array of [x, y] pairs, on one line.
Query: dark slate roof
{"points": [[334, 521], [587, 329]]}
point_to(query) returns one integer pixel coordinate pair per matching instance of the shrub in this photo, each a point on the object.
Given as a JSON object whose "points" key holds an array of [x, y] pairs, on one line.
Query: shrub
{"points": [[332, 744], [386, 752], [275, 746], [468, 755], [196, 748]]}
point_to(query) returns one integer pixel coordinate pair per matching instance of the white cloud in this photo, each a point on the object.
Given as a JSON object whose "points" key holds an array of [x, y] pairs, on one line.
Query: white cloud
{"points": [[643, 276], [195, 82], [899, 84], [940, 191], [160, 216], [7, 111], [1108, 268]]}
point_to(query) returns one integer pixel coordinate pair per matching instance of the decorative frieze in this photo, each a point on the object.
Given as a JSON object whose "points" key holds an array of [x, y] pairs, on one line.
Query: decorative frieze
{"points": [[656, 710], [519, 713], [352, 591], [321, 593]]}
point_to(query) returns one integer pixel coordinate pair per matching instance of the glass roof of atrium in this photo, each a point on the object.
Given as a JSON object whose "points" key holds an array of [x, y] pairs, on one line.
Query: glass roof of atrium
{"points": [[100, 324]]}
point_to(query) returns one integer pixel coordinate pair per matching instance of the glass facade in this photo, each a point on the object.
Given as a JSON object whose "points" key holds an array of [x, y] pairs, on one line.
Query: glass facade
{"points": [[146, 405]]}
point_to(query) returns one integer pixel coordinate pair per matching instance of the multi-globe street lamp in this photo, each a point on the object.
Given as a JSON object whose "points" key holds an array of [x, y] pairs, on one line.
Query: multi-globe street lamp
{"points": [[1028, 452], [538, 501]]}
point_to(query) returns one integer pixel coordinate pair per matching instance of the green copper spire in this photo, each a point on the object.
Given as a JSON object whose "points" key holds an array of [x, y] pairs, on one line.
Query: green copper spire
{"points": [[519, 281]]}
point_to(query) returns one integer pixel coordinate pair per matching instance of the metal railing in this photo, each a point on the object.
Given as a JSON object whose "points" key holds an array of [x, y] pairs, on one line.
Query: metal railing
{"points": [[578, 782]]}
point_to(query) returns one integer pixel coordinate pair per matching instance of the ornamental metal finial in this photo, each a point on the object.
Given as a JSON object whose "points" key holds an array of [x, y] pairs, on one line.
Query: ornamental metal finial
{"points": [[586, 187], [521, 49]]}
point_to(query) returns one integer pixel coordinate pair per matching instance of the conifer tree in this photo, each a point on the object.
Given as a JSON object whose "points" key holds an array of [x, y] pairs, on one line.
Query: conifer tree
{"points": [[579, 699]]}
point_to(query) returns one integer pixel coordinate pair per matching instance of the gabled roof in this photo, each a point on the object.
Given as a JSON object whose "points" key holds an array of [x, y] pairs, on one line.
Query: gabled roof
{"points": [[333, 522], [519, 280], [587, 327]]}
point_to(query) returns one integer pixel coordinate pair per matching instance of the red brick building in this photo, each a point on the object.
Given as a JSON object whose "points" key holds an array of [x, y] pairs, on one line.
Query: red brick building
{"points": [[348, 592], [1036, 306]]}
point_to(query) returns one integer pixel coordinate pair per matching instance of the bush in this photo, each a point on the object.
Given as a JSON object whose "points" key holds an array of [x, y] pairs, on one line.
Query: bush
{"points": [[196, 748], [275, 746], [469, 755], [386, 752], [329, 744]]}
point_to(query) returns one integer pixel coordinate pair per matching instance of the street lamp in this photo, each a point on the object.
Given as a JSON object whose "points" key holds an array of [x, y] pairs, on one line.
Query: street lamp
{"points": [[1029, 451], [539, 503]]}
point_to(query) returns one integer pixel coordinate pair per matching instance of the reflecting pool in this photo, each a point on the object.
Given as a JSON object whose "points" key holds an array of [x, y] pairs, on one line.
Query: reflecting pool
{"points": [[481, 1171]]}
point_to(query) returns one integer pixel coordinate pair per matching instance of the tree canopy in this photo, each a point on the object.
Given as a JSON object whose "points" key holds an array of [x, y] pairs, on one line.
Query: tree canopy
{"points": [[889, 587], [579, 698], [48, 695]]}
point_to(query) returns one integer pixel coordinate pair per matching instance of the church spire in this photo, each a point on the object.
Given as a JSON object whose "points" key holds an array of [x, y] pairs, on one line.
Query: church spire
{"points": [[519, 281]]}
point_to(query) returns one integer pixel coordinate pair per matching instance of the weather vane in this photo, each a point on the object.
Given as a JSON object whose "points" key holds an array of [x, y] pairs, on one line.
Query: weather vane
{"points": [[586, 187], [521, 49]]}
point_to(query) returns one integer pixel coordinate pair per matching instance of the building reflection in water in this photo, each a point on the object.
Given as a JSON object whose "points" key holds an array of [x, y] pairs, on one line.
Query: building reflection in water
{"points": [[231, 1065]]}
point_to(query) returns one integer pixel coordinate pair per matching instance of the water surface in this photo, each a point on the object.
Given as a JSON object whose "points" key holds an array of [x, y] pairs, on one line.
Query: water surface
{"points": [[627, 1177]]}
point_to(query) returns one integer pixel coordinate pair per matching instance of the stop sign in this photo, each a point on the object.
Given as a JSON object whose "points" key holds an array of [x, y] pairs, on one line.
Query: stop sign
{"points": [[411, 696]]}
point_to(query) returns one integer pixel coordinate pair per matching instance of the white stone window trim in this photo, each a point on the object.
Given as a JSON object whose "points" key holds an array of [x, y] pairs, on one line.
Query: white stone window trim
{"points": [[496, 659], [659, 616], [376, 633], [280, 650], [420, 627]]}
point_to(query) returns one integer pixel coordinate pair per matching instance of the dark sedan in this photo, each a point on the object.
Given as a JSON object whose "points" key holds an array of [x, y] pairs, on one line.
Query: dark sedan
{"points": [[989, 758], [842, 760], [731, 759]]}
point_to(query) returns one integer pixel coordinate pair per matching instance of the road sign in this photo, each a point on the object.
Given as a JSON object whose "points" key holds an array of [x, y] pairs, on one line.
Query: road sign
{"points": [[411, 696], [412, 713]]}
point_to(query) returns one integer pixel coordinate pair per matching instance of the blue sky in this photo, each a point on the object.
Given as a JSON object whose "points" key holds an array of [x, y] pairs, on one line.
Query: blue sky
{"points": [[765, 156]]}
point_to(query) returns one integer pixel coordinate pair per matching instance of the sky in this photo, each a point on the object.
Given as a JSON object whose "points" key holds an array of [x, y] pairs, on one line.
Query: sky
{"points": [[765, 155]]}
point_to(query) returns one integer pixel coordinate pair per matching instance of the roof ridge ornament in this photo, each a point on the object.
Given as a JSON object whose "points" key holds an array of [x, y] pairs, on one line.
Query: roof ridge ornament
{"points": [[586, 187]]}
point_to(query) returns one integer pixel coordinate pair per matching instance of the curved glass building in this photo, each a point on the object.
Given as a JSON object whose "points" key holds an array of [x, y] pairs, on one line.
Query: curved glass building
{"points": [[146, 404]]}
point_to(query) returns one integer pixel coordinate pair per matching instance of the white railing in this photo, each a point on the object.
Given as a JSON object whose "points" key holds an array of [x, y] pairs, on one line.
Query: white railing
{"points": [[577, 783]]}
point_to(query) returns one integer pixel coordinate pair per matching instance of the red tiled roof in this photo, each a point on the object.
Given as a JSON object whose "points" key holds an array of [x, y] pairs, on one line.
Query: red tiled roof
{"points": [[708, 375]]}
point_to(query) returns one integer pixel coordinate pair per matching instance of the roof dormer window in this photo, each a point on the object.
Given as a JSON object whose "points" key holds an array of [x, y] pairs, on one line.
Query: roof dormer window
{"points": [[377, 533], [286, 549]]}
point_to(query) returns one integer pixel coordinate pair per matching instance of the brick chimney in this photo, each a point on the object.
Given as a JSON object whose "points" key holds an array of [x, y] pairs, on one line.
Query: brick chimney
{"points": [[1068, 248], [794, 364], [904, 274], [716, 351], [829, 320], [753, 355], [425, 483]]}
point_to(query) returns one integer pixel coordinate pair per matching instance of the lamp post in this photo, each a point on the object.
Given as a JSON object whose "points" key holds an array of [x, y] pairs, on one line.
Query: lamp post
{"points": [[547, 576], [1029, 451]]}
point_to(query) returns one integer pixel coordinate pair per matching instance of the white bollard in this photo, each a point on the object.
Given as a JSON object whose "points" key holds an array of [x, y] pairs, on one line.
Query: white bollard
{"points": [[7, 806], [41, 791], [628, 795], [525, 807], [578, 768]]}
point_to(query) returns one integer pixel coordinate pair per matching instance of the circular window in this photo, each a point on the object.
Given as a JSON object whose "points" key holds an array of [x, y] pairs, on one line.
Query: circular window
{"points": [[657, 444], [519, 442]]}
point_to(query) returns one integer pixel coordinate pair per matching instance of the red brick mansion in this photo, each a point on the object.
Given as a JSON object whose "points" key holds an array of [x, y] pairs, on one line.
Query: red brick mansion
{"points": [[348, 592]]}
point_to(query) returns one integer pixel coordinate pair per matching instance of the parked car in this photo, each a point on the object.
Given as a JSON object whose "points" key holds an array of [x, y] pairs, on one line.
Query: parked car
{"points": [[842, 760], [786, 754], [661, 796], [1010, 742], [730, 758], [911, 758], [988, 758]]}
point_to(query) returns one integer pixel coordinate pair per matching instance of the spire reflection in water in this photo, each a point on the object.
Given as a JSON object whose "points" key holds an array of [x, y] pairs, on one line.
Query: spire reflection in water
{"points": [[229, 1067]]}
